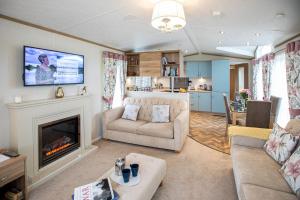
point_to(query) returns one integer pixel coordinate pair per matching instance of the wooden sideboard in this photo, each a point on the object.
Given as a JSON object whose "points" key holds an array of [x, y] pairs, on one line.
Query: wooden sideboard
{"points": [[13, 174]]}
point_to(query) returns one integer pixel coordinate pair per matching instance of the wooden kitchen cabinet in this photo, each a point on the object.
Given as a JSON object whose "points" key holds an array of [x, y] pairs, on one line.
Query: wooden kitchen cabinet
{"points": [[150, 64]]}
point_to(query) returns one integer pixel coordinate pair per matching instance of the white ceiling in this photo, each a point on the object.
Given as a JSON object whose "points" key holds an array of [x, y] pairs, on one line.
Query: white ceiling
{"points": [[125, 24]]}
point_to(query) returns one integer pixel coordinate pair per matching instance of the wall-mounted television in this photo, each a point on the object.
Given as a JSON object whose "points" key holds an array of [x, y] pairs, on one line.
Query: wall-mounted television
{"points": [[48, 67]]}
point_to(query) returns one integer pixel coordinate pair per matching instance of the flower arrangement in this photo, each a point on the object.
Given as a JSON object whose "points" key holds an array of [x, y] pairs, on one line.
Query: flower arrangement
{"points": [[245, 93]]}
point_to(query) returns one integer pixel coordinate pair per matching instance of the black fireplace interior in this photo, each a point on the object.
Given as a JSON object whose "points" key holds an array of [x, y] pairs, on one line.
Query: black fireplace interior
{"points": [[58, 138]]}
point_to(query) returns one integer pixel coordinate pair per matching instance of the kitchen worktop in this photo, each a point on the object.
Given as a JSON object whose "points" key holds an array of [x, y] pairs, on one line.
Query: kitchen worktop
{"points": [[199, 90], [176, 90]]}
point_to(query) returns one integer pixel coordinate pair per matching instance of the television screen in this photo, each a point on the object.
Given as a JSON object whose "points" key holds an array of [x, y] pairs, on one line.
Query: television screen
{"points": [[47, 67]]}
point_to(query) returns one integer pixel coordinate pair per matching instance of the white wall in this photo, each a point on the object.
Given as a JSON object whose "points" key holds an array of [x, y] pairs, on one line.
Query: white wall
{"points": [[13, 37]]}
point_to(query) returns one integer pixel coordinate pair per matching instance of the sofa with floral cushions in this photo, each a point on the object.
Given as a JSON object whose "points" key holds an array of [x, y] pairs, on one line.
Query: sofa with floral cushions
{"points": [[159, 122], [268, 169]]}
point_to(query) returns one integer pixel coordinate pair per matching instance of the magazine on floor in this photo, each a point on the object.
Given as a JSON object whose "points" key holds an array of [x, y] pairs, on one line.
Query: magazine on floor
{"points": [[99, 190]]}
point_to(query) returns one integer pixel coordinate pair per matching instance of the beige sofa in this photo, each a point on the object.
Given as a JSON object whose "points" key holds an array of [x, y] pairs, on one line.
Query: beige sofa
{"points": [[256, 174], [143, 132]]}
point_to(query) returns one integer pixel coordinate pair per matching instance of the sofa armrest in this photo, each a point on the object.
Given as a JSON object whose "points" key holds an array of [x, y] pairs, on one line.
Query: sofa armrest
{"points": [[247, 141], [111, 115], [181, 129]]}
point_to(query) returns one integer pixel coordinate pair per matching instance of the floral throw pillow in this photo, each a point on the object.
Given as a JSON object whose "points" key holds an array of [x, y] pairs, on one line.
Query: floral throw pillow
{"points": [[291, 171], [280, 144], [131, 112], [161, 113]]}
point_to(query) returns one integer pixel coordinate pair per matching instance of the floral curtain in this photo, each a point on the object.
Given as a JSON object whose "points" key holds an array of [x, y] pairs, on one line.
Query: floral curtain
{"points": [[262, 69], [113, 62], [267, 63], [255, 74], [292, 76]]}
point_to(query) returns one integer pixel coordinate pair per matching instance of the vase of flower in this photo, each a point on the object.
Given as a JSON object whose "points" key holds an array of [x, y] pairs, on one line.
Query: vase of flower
{"points": [[245, 94]]}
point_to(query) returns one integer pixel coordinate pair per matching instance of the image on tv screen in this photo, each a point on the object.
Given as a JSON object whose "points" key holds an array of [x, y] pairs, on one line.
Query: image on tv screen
{"points": [[47, 67]]}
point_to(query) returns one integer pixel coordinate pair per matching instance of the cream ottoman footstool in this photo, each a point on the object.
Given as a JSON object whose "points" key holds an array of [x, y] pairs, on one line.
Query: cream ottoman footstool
{"points": [[152, 171]]}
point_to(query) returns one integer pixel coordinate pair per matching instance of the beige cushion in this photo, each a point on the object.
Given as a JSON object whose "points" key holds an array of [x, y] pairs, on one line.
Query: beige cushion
{"points": [[131, 112], [161, 113], [254, 166], [163, 130], [253, 192], [293, 126], [125, 125], [145, 113]]}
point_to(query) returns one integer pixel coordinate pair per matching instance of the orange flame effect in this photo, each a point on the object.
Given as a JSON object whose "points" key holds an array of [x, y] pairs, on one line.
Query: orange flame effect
{"points": [[57, 149]]}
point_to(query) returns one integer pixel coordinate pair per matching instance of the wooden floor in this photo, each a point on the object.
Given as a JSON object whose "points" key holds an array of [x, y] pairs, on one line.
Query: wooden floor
{"points": [[209, 130]]}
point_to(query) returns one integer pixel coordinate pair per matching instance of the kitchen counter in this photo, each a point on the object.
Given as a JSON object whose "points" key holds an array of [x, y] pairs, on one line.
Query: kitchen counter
{"points": [[207, 91]]}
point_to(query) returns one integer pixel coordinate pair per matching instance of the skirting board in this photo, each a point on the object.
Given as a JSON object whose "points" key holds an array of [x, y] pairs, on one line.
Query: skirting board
{"points": [[96, 139], [91, 149]]}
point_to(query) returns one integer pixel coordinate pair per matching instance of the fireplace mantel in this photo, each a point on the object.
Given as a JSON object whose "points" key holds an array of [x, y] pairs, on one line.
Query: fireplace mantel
{"points": [[41, 102], [25, 118]]}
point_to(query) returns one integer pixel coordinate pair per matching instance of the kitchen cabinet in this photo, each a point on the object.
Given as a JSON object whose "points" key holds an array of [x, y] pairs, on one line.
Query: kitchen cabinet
{"points": [[192, 69], [220, 75], [217, 102], [204, 68], [150, 64], [204, 101], [220, 84], [194, 102], [219, 72], [196, 69], [200, 101]]}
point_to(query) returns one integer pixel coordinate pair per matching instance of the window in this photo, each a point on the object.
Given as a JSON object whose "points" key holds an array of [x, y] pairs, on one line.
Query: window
{"points": [[279, 89], [263, 50], [117, 101], [259, 81]]}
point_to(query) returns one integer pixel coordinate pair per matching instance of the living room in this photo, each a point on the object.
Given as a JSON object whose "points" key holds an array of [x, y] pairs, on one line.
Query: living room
{"points": [[163, 99]]}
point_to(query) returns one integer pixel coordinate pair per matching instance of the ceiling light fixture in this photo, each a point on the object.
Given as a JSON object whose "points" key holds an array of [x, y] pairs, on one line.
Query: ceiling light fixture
{"points": [[221, 32], [248, 43], [168, 16], [216, 13], [257, 34]]}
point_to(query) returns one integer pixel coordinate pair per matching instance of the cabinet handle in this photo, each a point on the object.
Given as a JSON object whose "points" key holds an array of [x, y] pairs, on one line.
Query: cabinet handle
{"points": [[3, 179]]}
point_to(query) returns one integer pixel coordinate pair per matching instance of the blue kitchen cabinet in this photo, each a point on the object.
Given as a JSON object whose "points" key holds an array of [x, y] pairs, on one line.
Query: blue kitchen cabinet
{"points": [[195, 69], [220, 84], [220, 75], [205, 69], [217, 102], [204, 102], [192, 69], [194, 102]]}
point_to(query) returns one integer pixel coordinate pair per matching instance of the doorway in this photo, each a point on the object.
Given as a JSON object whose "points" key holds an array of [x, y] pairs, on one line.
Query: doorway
{"points": [[239, 78]]}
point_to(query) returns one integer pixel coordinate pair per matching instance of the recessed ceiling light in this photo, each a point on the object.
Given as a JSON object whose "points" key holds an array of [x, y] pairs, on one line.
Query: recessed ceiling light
{"points": [[216, 13], [221, 32], [257, 34], [186, 51], [248, 43], [279, 15], [220, 42]]}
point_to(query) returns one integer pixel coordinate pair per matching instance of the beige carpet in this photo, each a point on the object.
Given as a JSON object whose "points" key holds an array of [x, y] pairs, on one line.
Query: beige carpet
{"points": [[209, 130], [197, 173]]}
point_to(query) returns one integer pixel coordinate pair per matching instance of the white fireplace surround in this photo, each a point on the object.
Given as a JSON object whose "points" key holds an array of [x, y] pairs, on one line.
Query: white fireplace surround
{"points": [[24, 121]]}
